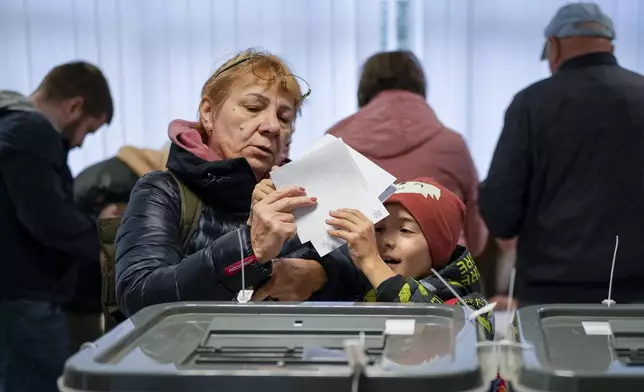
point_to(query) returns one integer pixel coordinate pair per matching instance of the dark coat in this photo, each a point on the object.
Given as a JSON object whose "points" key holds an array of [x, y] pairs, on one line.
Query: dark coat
{"points": [[44, 238], [567, 177], [152, 267]]}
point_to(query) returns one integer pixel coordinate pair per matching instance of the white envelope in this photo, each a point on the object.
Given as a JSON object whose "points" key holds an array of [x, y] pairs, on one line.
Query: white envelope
{"points": [[378, 181], [330, 174]]}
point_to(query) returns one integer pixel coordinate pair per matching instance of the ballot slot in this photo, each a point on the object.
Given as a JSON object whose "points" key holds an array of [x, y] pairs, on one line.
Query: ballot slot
{"points": [[283, 347], [287, 340], [627, 341]]}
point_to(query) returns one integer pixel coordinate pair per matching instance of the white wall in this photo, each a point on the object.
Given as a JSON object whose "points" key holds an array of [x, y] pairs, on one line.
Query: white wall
{"points": [[158, 53], [479, 53]]}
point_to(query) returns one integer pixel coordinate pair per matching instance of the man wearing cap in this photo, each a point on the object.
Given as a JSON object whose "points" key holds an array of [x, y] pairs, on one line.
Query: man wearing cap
{"points": [[567, 175]]}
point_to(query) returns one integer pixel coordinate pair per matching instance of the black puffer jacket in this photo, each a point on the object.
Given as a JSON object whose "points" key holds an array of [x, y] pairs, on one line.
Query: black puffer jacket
{"points": [[152, 267]]}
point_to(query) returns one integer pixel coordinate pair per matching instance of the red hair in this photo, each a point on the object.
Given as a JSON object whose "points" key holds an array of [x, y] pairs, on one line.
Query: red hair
{"points": [[266, 67]]}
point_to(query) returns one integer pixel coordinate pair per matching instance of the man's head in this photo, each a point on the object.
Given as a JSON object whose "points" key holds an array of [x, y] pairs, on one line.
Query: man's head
{"points": [[399, 70], [575, 30], [76, 98], [423, 227]]}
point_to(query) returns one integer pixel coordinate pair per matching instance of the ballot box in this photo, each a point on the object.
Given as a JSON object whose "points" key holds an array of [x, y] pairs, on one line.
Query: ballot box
{"points": [[277, 347], [571, 348]]}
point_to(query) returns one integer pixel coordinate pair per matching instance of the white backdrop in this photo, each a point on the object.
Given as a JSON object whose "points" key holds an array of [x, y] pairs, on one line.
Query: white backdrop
{"points": [[479, 53], [158, 53]]}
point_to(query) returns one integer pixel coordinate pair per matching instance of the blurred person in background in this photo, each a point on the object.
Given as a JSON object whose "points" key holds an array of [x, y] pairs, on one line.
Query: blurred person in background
{"points": [[399, 131], [248, 108], [500, 257], [568, 171], [44, 237], [102, 191]]}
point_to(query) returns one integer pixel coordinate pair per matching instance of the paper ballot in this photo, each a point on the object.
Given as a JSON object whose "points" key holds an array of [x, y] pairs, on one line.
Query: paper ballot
{"points": [[330, 173], [377, 180]]}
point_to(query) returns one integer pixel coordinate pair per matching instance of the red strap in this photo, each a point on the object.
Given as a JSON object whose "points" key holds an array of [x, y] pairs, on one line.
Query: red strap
{"points": [[236, 267], [453, 301]]}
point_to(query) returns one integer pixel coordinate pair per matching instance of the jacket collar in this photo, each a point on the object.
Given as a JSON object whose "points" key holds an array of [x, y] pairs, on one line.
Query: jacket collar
{"points": [[588, 60], [460, 272], [11, 100], [227, 184]]}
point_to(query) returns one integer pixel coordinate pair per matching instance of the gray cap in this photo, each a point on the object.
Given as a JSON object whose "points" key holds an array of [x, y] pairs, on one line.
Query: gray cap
{"points": [[579, 20]]}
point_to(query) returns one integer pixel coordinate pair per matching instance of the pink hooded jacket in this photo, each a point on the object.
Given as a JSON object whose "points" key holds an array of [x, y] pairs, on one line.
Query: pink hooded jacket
{"points": [[400, 132]]}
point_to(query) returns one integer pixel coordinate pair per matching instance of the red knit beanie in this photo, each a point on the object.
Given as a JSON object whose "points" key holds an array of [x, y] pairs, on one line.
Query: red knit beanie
{"points": [[439, 213]]}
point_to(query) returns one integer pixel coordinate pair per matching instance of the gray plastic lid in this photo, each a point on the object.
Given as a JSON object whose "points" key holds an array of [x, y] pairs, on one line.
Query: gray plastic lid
{"points": [[581, 348], [277, 347]]}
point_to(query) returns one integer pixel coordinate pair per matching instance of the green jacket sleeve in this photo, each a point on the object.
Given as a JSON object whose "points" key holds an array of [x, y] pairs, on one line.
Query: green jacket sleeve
{"points": [[399, 289]]}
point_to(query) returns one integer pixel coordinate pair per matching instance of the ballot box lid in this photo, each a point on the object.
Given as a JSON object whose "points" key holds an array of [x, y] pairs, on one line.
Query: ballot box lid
{"points": [[580, 348], [278, 346]]}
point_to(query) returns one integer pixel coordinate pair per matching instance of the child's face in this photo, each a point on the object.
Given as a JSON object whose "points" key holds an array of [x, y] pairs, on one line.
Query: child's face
{"points": [[402, 245]]}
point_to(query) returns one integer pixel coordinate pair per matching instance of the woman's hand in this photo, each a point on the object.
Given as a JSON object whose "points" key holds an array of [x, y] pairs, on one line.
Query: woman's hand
{"points": [[272, 221], [263, 189], [359, 233], [293, 280]]}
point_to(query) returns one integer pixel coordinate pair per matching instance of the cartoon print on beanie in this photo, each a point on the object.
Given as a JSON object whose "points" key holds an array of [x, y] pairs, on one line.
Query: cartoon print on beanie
{"points": [[420, 188]]}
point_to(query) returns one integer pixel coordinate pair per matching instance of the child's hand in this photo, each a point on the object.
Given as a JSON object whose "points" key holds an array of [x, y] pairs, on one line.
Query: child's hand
{"points": [[264, 188], [355, 228], [360, 234]]}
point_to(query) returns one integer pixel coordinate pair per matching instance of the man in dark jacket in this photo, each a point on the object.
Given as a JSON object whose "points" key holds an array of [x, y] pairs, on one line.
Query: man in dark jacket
{"points": [[43, 237], [567, 175]]}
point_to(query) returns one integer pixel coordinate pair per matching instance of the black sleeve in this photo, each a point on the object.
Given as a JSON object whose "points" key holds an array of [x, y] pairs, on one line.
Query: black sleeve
{"points": [[400, 289], [345, 281], [151, 267], [389, 290], [45, 209], [502, 196]]}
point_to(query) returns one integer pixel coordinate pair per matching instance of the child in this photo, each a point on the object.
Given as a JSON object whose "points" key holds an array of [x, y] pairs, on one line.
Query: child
{"points": [[422, 231]]}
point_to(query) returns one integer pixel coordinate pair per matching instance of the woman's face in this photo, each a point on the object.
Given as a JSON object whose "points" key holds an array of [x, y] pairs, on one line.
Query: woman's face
{"points": [[252, 123]]}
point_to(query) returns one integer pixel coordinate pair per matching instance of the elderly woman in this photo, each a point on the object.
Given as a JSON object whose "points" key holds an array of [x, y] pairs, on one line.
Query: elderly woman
{"points": [[246, 115]]}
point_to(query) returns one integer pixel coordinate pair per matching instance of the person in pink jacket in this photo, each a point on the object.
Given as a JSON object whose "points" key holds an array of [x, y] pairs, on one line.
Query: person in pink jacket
{"points": [[399, 131]]}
